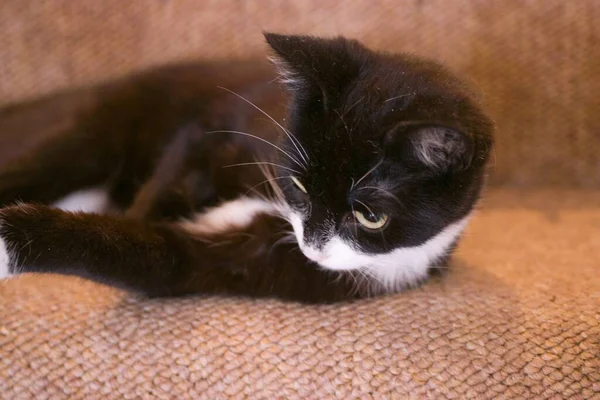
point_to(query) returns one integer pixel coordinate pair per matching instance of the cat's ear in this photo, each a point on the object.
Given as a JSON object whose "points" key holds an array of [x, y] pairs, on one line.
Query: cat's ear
{"points": [[305, 61], [434, 147]]}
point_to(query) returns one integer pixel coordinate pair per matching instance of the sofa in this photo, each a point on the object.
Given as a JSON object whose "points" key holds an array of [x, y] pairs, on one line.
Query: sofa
{"points": [[517, 315]]}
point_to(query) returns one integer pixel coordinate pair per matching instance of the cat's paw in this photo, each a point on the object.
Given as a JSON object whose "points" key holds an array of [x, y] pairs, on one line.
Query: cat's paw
{"points": [[4, 260], [5, 270]]}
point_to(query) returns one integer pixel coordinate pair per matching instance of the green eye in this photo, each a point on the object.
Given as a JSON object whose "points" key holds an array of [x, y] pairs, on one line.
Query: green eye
{"points": [[298, 184], [371, 221]]}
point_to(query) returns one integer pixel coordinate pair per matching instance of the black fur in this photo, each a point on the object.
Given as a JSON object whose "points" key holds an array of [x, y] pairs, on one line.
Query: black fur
{"points": [[164, 141]]}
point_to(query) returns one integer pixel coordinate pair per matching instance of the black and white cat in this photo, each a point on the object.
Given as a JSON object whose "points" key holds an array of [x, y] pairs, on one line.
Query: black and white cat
{"points": [[206, 178]]}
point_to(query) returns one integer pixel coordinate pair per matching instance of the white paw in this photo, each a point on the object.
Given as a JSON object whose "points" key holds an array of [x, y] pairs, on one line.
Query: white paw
{"points": [[4, 260]]}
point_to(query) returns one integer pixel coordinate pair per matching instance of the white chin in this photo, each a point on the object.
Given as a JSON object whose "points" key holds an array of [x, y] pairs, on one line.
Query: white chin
{"points": [[338, 264], [338, 256]]}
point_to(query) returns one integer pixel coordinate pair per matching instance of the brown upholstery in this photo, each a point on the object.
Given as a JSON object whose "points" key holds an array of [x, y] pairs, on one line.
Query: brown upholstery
{"points": [[537, 62], [518, 315]]}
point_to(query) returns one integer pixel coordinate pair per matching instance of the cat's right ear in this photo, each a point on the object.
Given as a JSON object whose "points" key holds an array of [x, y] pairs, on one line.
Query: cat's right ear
{"points": [[306, 61]]}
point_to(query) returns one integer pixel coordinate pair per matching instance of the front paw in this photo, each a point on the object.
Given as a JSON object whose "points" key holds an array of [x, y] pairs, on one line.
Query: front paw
{"points": [[6, 261], [5, 270]]}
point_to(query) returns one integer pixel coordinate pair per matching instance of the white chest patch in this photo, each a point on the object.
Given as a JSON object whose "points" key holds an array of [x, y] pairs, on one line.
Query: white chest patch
{"points": [[237, 213], [92, 200]]}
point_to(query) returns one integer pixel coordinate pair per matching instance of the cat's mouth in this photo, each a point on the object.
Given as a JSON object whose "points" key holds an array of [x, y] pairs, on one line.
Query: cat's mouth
{"points": [[313, 254], [334, 255]]}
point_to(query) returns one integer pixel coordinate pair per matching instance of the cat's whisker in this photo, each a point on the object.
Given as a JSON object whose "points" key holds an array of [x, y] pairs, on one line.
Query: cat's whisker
{"points": [[261, 196], [399, 97], [371, 276], [285, 240], [263, 163], [369, 172], [384, 191], [289, 134], [343, 122], [347, 110], [363, 276], [365, 206], [287, 237], [262, 140], [354, 225], [355, 283], [268, 173], [268, 180], [380, 231]]}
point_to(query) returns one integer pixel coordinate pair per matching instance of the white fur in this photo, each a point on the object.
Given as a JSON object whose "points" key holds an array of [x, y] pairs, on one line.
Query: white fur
{"points": [[395, 269], [296, 222], [92, 200], [287, 75], [237, 213], [4, 259], [429, 143]]}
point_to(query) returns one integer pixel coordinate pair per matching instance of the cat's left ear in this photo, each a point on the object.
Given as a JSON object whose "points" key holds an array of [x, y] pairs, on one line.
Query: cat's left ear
{"points": [[307, 61], [435, 147]]}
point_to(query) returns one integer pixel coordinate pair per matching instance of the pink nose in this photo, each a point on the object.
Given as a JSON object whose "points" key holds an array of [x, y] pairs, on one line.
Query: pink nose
{"points": [[313, 254]]}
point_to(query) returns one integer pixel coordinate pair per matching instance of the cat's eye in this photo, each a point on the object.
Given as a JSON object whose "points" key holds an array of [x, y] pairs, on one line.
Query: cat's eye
{"points": [[298, 184], [371, 221]]}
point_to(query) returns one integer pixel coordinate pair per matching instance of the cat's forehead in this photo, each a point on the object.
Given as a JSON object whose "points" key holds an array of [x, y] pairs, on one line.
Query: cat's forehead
{"points": [[337, 178], [397, 86]]}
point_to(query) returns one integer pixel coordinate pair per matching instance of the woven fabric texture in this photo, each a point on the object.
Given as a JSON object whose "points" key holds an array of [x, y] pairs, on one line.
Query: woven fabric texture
{"points": [[536, 62], [516, 318]]}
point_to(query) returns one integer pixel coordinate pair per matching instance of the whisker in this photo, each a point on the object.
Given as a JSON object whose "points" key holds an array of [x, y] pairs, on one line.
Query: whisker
{"points": [[295, 141], [263, 163], [399, 97], [371, 211], [284, 240], [268, 173], [365, 206], [355, 227], [265, 181], [385, 244], [342, 119], [382, 190], [369, 172], [288, 239], [355, 281], [347, 110], [345, 125], [262, 140], [371, 275]]}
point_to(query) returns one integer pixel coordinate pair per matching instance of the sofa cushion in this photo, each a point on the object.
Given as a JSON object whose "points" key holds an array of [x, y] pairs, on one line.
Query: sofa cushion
{"points": [[518, 314]]}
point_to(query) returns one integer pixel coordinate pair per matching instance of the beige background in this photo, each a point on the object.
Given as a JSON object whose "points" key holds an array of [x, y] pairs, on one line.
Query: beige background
{"points": [[536, 62], [519, 314]]}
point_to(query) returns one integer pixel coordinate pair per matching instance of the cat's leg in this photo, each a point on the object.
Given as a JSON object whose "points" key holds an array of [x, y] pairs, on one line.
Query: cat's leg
{"points": [[165, 259], [151, 258]]}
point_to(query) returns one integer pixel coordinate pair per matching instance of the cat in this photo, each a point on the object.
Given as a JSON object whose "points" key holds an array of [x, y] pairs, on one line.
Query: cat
{"points": [[347, 174]]}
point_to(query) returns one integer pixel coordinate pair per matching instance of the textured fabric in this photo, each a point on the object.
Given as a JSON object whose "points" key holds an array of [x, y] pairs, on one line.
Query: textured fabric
{"points": [[536, 62], [518, 316]]}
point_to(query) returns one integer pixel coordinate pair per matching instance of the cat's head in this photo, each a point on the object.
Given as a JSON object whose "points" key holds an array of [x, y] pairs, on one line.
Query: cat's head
{"points": [[386, 156]]}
